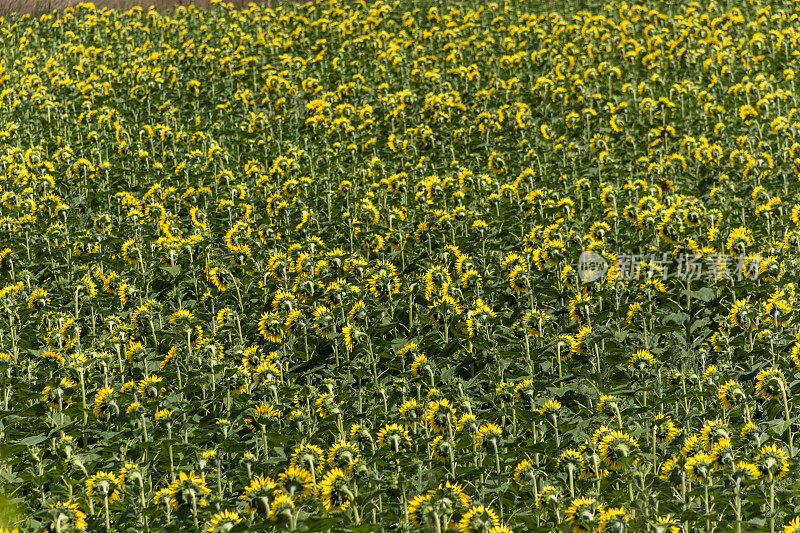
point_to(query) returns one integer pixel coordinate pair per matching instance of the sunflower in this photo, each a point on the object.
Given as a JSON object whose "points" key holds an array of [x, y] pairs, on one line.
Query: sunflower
{"points": [[441, 416], [324, 321], [148, 387], [672, 471], [270, 325], [297, 481], [614, 520], [102, 485], [641, 360], [570, 460], [188, 490], [581, 307], [712, 431], [224, 521], [722, 454], [337, 493], [445, 309], [182, 320], [393, 436], [449, 498], [343, 454], [793, 526], [772, 461], [309, 457], [518, 279], [69, 516], [419, 508], [583, 514], [665, 524], [771, 384], [262, 416], [441, 448], [412, 412], [731, 394], [282, 509], [617, 450], [104, 403], [751, 434], [664, 428], [325, 405], [738, 241], [536, 321], [525, 472], [468, 422], [691, 446], [699, 467], [259, 494], [549, 498], [550, 409], [608, 404], [488, 437], [421, 365], [478, 519], [744, 473], [283, 302], [59, 396]]}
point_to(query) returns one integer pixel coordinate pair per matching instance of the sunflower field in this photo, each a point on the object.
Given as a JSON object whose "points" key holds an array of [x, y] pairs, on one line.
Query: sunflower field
{"points": [[405, 265]]}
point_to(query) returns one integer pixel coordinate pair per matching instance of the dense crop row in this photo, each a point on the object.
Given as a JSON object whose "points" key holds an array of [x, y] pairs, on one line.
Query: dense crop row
{"points": [[317, 268]]}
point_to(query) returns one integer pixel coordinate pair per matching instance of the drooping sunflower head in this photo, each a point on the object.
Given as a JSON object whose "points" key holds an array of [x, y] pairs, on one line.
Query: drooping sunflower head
{"points": [[731, 394], [419, 509], [488, 437], [665, 524], [440, 416], [449, 498], [583, 514], [282, 509], [337, 493], [224, 521], [772, 461], [260, 493], [478, 519], [672, 471], [103, 485], [712, 431], [468, 422], [664, 428], [614, 520], [309, 457], [744, 473], [188, 490], [771, 384], [549, 498], [570, 460], [68, 515], [343, 454], [618, 450], [262, 416], [722, 453], [105, 404], [641, 361], [394, 437], [738, 241], [271, 326], [297, 481], [699, 467], [412, 412]]}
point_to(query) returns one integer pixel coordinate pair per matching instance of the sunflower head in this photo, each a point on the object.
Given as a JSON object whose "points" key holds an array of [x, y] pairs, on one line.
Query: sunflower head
{"points": [[583, 514], [478, 519]]}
